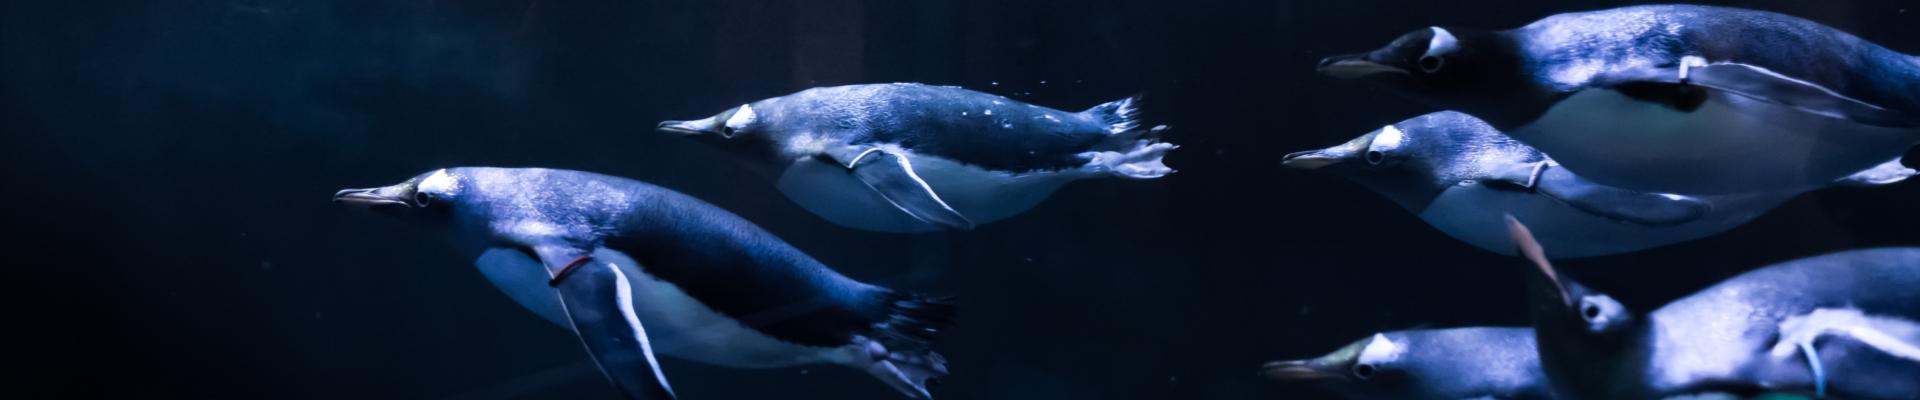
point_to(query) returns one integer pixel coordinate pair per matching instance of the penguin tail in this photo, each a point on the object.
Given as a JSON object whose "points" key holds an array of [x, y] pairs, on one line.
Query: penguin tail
{"points": [[901, 351], [1119, 115]]}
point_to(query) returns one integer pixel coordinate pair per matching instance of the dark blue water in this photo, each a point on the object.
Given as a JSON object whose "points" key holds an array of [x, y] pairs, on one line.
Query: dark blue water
{"points": [[167, 166]]}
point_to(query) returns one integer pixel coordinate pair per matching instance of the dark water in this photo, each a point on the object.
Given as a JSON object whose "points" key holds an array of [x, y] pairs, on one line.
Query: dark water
{"points": [[167, 166]]}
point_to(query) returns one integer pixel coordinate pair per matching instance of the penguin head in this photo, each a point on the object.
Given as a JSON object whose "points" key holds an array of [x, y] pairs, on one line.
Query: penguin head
{"points": [[1374, 367], [1559, 302], [1414, 160], [1437, 64], [736, 122], [432, 194]]}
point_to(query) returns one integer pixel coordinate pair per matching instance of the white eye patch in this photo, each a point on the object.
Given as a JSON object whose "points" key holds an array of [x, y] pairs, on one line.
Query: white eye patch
{"points": [[1443, 43], [742, 118], [1380, 350], [438, 183], [1388, 140]]}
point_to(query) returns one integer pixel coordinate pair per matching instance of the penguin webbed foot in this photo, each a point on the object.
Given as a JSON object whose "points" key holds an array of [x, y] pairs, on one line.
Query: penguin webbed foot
{"points": [[910, 374], [1887, 173], [1137, 154]]}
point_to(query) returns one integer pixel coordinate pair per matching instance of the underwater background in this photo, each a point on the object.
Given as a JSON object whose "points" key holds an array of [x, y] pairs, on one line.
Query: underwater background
{"points": [[167, 167]]}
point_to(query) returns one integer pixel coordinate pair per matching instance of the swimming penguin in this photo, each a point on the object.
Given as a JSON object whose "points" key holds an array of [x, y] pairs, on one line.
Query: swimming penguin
{"points": [[1455, 363], [1842, 325], [633, 269], [1460, 175], [1669, 98], [942, 156]]}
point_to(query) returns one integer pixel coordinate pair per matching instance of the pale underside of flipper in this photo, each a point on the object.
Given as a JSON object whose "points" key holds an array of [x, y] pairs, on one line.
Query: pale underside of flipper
{"points": [[889, 172], [1765, 85], [1629, 206], [597, 298]]}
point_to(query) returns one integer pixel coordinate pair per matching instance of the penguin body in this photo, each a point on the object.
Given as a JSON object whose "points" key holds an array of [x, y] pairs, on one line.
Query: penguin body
{"points": [[1460, 175], [1670, 98], [634, 269], [1841, 324], [1452, 364], [913, 158]]}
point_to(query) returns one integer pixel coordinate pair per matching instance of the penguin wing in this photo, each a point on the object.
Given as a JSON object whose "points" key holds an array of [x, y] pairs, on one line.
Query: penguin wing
{"points": [[1755, 82], [890, 172], [1629, 206], [598, 300]]}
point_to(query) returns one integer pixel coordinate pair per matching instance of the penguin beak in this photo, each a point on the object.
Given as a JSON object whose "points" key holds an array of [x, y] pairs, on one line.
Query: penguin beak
{"points": [[371, 197], [1529, 248], [1352, 66], [1295, 370], [1310, 159], [695, 127]]}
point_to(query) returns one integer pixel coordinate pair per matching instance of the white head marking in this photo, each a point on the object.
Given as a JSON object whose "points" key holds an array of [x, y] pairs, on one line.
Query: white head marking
{"points": [[1380, 350], [1443, 43], [1388, 140], [438, 183], [742, 118]]}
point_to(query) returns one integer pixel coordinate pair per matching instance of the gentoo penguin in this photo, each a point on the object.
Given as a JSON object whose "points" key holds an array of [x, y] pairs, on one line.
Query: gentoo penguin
{"points": [[1669, 98], [1455, 363], [1461, 175], [1841, 324], [908, 157], [633, 268]]}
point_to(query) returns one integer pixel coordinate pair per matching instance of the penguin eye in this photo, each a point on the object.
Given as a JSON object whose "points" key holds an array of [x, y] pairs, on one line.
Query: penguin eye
{"points": [[421, 199], [726, 131], [1432, 64], [1375, 157], [1363, 371], [1590, 311]]}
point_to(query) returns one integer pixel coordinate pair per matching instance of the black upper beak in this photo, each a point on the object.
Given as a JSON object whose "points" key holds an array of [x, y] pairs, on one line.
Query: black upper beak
{"points": [[370, 197], [1355, 66]]}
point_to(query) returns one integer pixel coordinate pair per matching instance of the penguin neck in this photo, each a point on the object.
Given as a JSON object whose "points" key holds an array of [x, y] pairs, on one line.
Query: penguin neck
{"points": [[1507, 92], [1578, 361], [761, 153], [1410, 191]]}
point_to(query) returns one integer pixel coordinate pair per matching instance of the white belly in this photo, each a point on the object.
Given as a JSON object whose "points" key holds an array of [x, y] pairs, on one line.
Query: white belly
{"points": [[1473, 214], [983, 196], [677, 325], [1732, 144]]}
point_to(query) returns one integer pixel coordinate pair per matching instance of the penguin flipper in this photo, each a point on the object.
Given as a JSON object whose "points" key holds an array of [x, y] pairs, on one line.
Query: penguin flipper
{"points": [[1890, 172], [1765, 85], [1629, 206], [890, 173], [1890, 336], [597, 298]]}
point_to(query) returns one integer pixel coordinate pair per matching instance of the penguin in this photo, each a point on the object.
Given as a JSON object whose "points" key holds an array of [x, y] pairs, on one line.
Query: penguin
{"points": [[908, 157], [633, 269], [1669, 98], [1459, 174], [1453, 363], [1841, 325]]}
